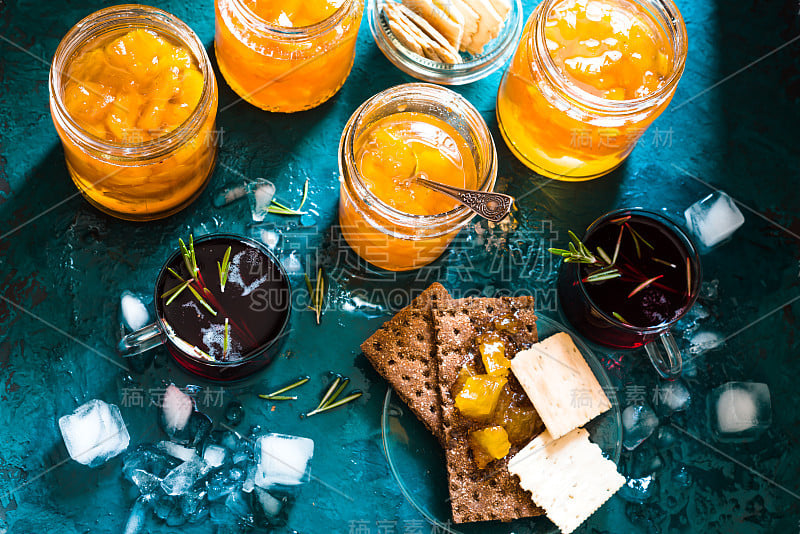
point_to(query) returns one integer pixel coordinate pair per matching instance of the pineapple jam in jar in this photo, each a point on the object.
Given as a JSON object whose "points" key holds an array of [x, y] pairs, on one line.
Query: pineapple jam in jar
{"points": [[134, 100], [286, 56], [588, 78], [407, 131]]}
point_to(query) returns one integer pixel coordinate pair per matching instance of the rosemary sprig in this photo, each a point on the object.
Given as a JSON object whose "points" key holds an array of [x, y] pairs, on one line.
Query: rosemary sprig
{"points": [[353, 396], [619, 318], [331, 398], [317, 294], [175, 291], [644, 285], [226, 344], [224, 268], [580, 253], [189, 257], [281, 209], [202, 301], [276, 395]]}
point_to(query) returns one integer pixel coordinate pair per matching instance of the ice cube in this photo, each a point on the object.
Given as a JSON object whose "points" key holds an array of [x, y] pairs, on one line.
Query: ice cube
{"points": [[714, 218], [739, 411], [292, 264], [638, 423], [222, 482], [283, 460], [269, 504], [149, 459], [94, 433], [269, 238], [237, 503], [133, 311], [260, 192], [250, 480], [705, 341], [179, 480], [180, 452], [671, 397], [710, 290], [230, 195], [214, 455], [137, 517], [176, 409], [190, 502], [148, 483]]}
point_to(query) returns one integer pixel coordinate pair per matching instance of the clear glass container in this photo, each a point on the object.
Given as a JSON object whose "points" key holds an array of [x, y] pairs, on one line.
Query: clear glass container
{"points": [[286, 69], [475, 67], [137, 180], [385, 236], [562, 130]]}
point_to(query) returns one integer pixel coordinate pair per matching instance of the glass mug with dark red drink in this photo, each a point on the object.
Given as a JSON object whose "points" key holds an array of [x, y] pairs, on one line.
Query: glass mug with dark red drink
{"points": [[222, 306], [645, 277]]}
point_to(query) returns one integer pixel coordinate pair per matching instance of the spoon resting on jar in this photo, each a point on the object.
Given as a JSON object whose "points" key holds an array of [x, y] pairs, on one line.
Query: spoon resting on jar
{"points": [[489, 205]]}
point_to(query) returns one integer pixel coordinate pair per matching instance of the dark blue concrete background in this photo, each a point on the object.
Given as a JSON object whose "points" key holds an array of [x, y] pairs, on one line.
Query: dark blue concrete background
{"points": [[732, 125]]}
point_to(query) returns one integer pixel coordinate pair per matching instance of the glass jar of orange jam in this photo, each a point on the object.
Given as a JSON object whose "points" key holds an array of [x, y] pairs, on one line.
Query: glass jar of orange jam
{"points": [[134, 101], [410, 130], [286, 55], [588, 78]]}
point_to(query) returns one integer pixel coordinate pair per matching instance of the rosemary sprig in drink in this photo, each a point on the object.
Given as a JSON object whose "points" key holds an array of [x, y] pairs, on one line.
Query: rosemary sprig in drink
{"points": [[224, 268], [580, 253], [281, 209]]}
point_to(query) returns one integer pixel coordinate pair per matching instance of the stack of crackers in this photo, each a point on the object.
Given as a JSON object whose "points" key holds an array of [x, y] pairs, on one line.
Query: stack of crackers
{"points": [[440, 29], [421, 352]]}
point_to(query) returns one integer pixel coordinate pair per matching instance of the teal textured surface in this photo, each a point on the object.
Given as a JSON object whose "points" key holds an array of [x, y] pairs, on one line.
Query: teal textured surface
{"points": [[732, 125]]}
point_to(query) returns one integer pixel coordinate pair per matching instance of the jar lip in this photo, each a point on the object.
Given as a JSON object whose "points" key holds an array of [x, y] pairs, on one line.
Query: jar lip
{"points": [[121, 16], [685, 240], [299, 32], [674, 25], [418, 91]]}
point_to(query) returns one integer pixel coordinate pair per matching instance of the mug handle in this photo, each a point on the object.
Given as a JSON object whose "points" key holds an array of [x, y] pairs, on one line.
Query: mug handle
{"points": [[666, 360], [140, 341]]}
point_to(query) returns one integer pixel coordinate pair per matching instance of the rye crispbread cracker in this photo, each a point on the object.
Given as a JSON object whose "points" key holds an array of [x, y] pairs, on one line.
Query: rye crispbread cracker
{"points": [[559, 382], [403, 352], [491, 493], [585, 478], [446, 23]]}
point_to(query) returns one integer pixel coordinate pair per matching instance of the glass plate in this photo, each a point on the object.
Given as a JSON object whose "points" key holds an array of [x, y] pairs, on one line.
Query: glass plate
{"points": [[417, 461]]}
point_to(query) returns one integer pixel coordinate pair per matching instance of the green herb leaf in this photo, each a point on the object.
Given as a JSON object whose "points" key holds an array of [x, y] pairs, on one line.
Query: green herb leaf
{"points": [[223, 269], [175, 291], [353, 396], [281, 209], [275, 395], [644, 285], [202, 301]]}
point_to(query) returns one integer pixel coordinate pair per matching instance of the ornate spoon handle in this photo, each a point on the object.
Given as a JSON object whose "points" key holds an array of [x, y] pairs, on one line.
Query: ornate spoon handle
{"points": [[492, 206]]}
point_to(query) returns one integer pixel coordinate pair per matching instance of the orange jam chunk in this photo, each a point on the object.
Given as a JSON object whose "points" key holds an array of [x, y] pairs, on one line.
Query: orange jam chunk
{"points": [[489, 444], [479, 395], [279, 55], [294, 13], [132, 88], [401, 146], [493, 353], [608, 49]]}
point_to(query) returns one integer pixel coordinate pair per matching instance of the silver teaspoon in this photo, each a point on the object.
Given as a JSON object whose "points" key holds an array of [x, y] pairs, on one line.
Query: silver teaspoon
{"points": [[489, 205]]}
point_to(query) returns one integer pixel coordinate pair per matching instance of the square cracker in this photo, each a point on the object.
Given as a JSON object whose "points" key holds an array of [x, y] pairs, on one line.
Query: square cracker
{"points": [[569, 477], [403, 352], [491, 493], [559, 382]]}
